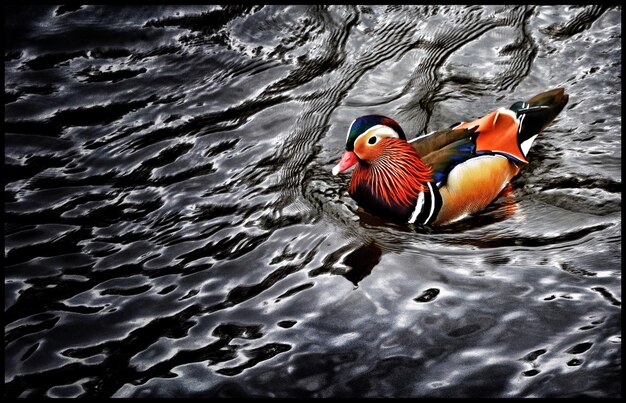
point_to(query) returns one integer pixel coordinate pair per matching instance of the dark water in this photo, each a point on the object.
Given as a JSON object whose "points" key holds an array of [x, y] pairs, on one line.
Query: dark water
{"points": [[172, 227]]}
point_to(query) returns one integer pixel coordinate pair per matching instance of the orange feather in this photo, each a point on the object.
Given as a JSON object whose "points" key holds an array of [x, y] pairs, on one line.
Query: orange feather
{"points": [[395, 172]]}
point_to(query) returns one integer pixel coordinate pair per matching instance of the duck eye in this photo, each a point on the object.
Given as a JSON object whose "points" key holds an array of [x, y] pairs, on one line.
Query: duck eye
{"points": [[372, 140]]}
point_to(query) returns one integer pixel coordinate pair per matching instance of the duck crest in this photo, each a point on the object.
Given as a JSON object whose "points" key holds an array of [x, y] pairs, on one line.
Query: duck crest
{"points": [[394, 179]]}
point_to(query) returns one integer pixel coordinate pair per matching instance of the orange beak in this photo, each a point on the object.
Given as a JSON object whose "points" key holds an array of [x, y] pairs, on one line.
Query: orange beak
{"points": [[348, 159]]}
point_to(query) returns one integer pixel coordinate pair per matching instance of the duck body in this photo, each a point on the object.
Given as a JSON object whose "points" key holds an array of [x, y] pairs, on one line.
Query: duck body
{"points": [[447, 175]]}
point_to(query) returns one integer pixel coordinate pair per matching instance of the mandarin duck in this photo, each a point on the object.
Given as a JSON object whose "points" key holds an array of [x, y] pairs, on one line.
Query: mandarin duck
{"points": [[447, 175]]}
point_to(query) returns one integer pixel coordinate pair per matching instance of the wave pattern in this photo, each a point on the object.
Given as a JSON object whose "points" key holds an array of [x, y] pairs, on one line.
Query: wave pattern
{"points": [[172, 228]]}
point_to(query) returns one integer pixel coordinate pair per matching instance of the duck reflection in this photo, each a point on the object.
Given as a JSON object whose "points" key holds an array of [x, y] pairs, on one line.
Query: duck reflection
{"points": [[362, 257], [361, 261]]}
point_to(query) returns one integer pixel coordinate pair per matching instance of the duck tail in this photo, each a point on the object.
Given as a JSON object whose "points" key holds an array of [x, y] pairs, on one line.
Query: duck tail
{"points": [[536, 114]]}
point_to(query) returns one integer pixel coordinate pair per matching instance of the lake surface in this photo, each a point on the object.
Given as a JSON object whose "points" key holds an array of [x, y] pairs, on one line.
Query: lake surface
{"points": [[172, 227]]}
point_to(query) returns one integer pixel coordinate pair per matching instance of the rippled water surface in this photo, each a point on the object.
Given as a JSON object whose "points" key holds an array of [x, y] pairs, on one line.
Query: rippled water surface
{"points": [[172, 227]]}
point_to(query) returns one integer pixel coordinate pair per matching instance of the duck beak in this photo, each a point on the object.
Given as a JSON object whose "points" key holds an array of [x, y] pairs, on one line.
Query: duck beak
{"points": [[348, 159]]}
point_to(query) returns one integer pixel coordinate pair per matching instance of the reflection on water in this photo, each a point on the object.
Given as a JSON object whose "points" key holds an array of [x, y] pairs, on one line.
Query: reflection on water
{"points": [[172, 227]]}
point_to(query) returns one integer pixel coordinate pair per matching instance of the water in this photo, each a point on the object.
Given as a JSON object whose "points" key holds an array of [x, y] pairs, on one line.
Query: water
{"points": [[172, 227]]}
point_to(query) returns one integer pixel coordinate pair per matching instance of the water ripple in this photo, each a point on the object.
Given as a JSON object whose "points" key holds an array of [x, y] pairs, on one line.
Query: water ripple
{"points": [[172, 227]]}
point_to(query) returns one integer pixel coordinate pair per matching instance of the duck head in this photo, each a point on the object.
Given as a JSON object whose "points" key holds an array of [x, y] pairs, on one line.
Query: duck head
{"points": [[389, 175], [363, 141]]}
